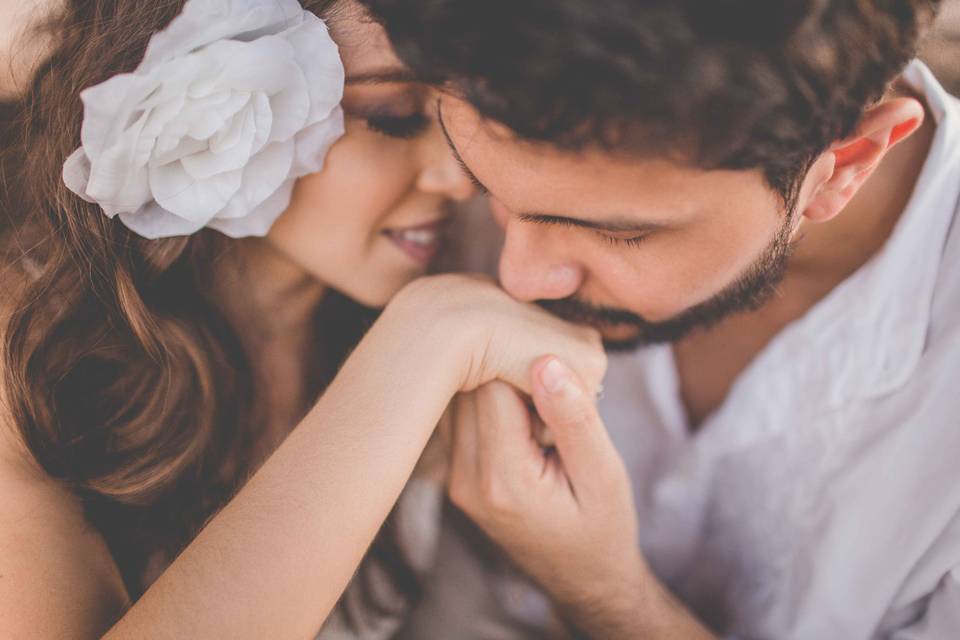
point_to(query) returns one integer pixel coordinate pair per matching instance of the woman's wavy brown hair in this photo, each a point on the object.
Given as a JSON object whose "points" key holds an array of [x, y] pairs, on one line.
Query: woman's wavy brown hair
{"points": [[125, 378]]}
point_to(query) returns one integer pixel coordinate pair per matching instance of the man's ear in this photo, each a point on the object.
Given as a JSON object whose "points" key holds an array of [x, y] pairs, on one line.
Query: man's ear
{"points": [[848, 163]]}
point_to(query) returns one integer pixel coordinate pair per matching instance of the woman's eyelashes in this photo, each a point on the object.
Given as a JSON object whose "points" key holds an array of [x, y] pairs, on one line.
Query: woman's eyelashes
{"points": [[404, 127]]}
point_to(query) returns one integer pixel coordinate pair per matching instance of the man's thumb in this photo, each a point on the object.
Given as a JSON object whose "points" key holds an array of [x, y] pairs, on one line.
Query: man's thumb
{"points": [[570, 412]]}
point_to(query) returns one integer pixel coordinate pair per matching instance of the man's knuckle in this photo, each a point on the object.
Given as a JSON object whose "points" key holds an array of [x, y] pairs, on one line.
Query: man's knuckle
{"points": [[497, 498], [580, 415], [458, 492], [591, 337], [607, 484], [602, 361]]}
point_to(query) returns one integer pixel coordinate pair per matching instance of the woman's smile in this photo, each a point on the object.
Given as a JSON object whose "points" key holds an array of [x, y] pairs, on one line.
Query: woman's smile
{"points": [[420, 243]]}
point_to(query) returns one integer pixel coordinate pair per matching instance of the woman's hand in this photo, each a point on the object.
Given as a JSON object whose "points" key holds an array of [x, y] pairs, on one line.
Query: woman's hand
{"points": [[493, 336]]}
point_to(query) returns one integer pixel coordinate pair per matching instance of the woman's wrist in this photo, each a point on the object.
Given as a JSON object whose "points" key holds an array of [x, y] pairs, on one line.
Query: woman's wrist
{"points": [[433, 319]]}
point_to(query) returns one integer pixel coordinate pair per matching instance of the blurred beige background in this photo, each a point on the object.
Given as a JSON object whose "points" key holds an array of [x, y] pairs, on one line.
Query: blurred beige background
{"points": [[942, 50]]}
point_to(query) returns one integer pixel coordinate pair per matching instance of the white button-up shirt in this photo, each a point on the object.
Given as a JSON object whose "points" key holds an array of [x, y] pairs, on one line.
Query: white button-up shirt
{"points": [[822, 499]]}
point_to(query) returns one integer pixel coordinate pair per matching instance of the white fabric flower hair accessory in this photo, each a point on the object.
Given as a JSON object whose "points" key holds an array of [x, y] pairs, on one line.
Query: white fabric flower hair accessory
{"points": [[233, 102]]}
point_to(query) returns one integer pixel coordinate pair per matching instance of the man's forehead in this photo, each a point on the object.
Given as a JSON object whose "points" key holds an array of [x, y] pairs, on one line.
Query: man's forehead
{"points": [[528, 176]]}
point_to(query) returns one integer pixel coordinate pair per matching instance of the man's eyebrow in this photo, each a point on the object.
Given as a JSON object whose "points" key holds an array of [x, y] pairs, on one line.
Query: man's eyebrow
{"points": [[610, 226], [456, 154], [384, 75]]}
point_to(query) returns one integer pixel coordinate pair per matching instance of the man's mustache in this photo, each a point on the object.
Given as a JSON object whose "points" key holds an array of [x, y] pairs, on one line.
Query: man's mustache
{"points": [[578, 311]]}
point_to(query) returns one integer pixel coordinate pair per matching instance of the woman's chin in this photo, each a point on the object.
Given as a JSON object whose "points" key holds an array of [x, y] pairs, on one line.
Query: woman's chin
{"points": [[379, 295]]}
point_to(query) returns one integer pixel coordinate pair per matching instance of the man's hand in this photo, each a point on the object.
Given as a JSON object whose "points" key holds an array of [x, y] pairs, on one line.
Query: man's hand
{"points": [[564, 514]]}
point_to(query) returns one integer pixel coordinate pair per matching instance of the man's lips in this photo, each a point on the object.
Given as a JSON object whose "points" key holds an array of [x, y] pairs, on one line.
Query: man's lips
{"points": [[421, 243]]}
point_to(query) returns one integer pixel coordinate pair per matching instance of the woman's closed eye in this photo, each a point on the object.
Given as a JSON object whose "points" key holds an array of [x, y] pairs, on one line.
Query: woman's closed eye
{"points": [[404, 127]]}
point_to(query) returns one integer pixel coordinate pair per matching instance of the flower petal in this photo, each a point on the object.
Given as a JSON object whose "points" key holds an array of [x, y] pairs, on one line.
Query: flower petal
{"points": [[197, 200], [228, 156], [101, 109], [319, 58], [203, 22], [117, 177], [266, 65], [207, 116], [183, 148], [314, 142], [76, 174], [160, 114], [265, 173], [242, 124], [290, 107], [236, 104], [262, 120], [153, 222], [258, 221]]}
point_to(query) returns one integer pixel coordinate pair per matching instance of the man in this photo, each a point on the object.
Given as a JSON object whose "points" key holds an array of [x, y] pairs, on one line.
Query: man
{"points": [[757, 194]]}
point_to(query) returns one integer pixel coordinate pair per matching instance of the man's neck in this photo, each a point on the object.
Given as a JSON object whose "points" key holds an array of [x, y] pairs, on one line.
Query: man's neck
{"points": [[825, 255]]}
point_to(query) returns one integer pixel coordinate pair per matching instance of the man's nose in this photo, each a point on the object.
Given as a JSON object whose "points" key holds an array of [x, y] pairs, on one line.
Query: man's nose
{"points": [[534, 268]]}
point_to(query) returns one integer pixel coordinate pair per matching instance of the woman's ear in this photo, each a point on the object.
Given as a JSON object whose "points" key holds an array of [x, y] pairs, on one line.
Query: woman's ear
{"points": [[848, 163]]}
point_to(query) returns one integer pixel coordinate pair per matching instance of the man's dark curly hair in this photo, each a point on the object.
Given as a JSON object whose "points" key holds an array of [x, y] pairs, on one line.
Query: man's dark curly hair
{"points": [[720, 84]]}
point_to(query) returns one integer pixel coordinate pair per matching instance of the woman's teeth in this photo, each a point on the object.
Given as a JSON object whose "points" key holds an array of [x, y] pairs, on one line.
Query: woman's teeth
{"points": [[421, 244], [422, 237]]}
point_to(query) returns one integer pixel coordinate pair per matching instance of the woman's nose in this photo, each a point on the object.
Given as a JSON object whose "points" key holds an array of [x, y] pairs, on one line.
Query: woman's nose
{"points": [[441, 173], [446, 179]]}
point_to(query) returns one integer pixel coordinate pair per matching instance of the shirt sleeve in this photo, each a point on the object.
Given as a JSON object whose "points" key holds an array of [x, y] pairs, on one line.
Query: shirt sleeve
{"points": [[941, 621]]}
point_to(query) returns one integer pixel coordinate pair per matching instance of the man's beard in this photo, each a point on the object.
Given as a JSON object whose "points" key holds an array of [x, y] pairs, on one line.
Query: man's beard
{"points": [[748, 293]]}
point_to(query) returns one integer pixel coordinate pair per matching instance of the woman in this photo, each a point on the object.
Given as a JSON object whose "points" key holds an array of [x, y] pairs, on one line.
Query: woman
{"points": [[168, 465]]}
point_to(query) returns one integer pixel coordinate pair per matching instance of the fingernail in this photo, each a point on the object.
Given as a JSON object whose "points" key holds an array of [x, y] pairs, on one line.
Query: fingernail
{"points": [[556, 377]]}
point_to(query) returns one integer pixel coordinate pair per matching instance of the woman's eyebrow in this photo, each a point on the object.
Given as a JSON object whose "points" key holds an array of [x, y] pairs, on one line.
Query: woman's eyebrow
{"points": [[382, 76]]}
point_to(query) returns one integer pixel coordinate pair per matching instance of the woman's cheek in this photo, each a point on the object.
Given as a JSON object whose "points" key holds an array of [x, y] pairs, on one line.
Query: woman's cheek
{"points": [[391, 166], [370, 180]]}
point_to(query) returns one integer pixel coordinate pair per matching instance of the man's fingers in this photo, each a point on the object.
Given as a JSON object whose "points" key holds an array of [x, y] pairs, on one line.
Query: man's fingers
{"points": [[505, 437], [463, 435], [570, 413], [445, 429]]}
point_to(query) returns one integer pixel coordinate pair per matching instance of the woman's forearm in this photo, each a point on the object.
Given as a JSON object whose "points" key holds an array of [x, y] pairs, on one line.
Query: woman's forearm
{"points": [[275, 560]]}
